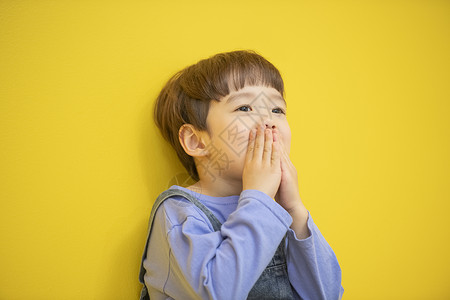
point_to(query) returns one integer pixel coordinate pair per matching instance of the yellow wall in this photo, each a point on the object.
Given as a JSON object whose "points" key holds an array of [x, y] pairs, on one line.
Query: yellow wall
{"points": [[81, 162]]}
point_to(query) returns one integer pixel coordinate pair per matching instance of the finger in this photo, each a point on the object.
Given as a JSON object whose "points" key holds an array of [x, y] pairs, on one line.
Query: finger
{"points": [[259, 144], [277, 139], [251, 145], [279, 148], [275, 156], [284, 154], [275, 135], [267, 154], [284, 157]]}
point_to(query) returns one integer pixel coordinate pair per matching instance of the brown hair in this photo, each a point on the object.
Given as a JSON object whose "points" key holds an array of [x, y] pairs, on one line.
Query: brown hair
{"points": [[186, 97]]}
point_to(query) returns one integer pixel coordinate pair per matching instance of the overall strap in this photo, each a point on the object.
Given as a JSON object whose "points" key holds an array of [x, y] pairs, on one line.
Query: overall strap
{"points": [[163, 196], [212, 218]]}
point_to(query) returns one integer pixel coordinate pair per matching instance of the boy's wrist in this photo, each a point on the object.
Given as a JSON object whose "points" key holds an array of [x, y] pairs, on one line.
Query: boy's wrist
{"points": [[299, 224], [268, 202], [298, 212]]}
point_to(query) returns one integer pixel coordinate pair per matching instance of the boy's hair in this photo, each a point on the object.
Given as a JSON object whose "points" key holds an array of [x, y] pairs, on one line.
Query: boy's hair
{"points": [[186, 97]]}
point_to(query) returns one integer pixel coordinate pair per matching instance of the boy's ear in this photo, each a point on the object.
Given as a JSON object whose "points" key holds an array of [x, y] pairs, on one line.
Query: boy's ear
{"points": [[191, 140]]}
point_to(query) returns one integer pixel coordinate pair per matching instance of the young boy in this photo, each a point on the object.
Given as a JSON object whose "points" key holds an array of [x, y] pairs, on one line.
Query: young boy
{"points": [[241, 231]]}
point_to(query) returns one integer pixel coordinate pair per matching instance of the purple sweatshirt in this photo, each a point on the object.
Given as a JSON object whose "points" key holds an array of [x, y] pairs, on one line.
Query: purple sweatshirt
{"points": [[187, 259]]}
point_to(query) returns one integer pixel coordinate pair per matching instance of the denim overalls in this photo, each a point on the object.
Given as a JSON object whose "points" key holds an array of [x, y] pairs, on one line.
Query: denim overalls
{"points": [[273, 282]]}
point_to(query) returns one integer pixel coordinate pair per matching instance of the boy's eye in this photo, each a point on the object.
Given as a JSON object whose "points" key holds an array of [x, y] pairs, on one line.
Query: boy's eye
{"points": [[243, 108], [277, 110], [280, 111]]}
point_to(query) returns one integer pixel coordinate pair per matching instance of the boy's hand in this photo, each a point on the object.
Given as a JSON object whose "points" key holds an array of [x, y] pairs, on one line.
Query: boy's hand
{"points": [[262, 169], [288, 195]]}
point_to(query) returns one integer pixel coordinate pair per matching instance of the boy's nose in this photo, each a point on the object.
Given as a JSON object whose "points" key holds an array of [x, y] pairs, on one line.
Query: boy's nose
{"points": [[269, 125]]}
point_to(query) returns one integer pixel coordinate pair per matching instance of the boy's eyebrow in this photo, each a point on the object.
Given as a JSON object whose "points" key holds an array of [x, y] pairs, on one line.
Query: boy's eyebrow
{"points": [[233, 97]]}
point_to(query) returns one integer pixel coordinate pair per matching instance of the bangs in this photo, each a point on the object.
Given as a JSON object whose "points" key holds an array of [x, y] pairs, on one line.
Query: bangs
{"points": [[223, 73], [242, 75]]}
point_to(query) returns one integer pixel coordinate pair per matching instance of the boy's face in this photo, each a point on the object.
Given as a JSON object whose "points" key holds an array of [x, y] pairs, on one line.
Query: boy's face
{"points": [[230, 121]]}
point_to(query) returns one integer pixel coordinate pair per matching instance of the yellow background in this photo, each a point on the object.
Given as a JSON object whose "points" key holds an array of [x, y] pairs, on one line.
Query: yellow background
{"points": [[81, 162]]}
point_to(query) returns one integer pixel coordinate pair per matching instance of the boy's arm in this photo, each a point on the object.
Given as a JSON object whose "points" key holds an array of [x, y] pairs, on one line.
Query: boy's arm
{"points": [[225, 264], [313, 269]]}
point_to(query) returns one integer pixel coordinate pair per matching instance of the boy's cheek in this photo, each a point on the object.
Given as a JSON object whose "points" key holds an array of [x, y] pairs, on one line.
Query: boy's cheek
{"points": [[287, 147]]}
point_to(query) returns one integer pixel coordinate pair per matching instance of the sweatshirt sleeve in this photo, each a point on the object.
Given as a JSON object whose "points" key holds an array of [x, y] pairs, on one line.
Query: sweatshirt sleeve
{"points": [[313, 269], [205, 264]]}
